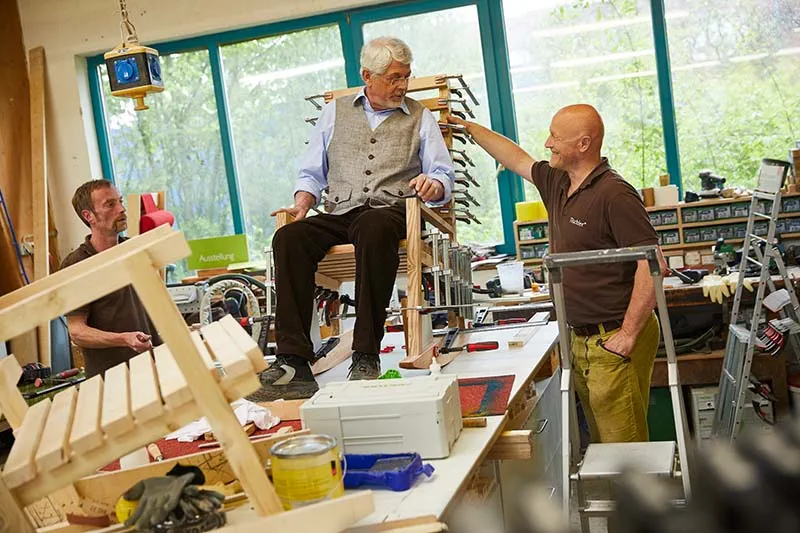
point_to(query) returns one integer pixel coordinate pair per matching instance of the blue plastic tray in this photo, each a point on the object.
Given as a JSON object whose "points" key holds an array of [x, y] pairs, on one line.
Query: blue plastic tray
{"points": [[394, 471]]}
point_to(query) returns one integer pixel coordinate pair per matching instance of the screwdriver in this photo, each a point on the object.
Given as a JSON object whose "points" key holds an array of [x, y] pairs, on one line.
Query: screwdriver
{"points": [[473, 347]]}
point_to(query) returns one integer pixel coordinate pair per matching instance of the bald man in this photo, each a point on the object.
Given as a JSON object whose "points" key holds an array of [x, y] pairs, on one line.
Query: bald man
{"points": [[615, 332]]}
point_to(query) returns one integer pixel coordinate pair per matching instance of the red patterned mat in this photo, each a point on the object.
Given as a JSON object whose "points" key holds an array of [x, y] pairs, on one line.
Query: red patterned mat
{"points": [[171, 449]]}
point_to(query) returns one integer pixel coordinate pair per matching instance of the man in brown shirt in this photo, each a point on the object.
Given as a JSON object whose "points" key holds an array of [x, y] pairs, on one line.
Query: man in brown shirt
{"points": [[116, 327], [615, 333]]}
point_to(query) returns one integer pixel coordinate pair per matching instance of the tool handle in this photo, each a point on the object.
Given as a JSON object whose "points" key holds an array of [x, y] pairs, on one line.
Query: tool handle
{"points": [[507, 321], [155, 452], [67, 373], [482, 346]]}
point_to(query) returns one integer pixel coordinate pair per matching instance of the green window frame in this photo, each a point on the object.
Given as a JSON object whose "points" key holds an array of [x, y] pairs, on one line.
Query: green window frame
{"points": [[350, 23]]}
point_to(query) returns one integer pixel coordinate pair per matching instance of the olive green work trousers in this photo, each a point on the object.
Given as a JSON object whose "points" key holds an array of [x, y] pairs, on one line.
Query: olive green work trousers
{"points": [[615, 390]]}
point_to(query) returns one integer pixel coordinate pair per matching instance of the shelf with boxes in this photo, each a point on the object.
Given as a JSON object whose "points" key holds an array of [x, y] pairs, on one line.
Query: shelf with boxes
{"points": [[683, 226], [531, 237], [700, 224]]}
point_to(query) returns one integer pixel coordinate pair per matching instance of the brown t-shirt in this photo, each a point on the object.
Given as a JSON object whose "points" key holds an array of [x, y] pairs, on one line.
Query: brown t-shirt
{"points": [[118, 312], [605, 212]]}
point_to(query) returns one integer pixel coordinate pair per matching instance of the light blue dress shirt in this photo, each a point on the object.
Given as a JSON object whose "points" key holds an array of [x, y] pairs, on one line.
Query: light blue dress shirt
{"points": [[436, 161]]}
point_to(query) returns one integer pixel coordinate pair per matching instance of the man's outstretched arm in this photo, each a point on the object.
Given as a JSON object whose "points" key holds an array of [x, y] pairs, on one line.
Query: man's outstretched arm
{"points": [[504, 150]]}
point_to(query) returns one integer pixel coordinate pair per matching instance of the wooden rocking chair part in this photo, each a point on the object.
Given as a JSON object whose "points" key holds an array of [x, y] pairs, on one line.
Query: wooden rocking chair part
{"points": [[60, 441]]}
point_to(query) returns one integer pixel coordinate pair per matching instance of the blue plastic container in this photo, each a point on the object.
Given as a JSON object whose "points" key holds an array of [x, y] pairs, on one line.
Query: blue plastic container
{"points": [[395, 471]]}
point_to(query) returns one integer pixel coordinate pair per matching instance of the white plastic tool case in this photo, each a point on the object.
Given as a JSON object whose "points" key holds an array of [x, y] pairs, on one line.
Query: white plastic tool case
{"points": [[420, 414]]}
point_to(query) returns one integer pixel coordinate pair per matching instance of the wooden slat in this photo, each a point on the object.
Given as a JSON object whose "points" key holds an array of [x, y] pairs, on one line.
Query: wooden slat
{"points": [[415, 84], [145, 396], [234, 363], [54, 446], [117, 418], [20, 466], [86, 435], [204, 354], [244, 342], [83, 282], [429, 215], [174, 388], [12, 404]]}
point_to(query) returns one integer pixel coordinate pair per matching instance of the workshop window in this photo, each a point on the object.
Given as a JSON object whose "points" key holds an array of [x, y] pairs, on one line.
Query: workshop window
{"points": [[266, 81], [735, 71], [436, 51], [563, 52], [174, 146]]}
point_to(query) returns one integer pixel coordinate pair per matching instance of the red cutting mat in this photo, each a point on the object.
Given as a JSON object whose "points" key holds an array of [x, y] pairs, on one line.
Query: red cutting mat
{"points": [[485, 396], [172, 448]]}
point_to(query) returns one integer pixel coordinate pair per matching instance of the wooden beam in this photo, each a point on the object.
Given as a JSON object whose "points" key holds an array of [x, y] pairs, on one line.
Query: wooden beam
{"points": [[414, 85], [133, 208], [62, 276], [82, 283], [413, 250], [330, 516], [41, 226], [512, 445], [12, 404], [209, 397]]}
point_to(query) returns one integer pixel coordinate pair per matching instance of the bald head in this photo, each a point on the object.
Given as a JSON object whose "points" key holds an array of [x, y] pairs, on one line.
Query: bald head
{"points": [[581, 120], [576, 137]]}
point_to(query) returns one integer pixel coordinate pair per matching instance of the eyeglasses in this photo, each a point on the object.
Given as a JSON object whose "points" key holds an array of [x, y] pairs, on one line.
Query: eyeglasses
{"points": [[397, 82]]}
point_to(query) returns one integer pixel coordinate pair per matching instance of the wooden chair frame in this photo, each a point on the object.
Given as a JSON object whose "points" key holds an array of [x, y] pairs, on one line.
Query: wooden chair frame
{"points": [[61, 441]]}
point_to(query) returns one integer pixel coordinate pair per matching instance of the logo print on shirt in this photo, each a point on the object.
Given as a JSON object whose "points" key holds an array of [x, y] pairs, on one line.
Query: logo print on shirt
{"points": [[579, 223]]}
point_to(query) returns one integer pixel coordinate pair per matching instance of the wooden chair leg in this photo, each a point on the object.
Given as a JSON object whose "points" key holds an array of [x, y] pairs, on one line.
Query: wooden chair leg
{"points": [[419, 349], [209, 397], [12, 517]]}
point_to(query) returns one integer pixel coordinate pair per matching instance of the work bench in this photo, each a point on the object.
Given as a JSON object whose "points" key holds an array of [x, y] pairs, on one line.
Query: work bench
{"points": [[470, 470]]}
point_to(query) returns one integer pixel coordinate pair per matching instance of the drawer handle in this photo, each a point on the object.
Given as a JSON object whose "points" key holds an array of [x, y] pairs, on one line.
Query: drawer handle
{"points": [[542, 424]]}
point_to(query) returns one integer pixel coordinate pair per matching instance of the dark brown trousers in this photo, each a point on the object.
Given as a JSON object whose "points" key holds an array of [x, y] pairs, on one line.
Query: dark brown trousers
{"points": [[298, 248]]}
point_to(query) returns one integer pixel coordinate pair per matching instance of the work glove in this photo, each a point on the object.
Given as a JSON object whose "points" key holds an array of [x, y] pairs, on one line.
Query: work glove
{"points": [[714, 288], [157, 497], [732, 280], [195, 501]]}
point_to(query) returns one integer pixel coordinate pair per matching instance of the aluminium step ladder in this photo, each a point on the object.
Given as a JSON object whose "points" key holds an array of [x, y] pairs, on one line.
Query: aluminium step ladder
{"points": [[735, 379], [605, 461]]}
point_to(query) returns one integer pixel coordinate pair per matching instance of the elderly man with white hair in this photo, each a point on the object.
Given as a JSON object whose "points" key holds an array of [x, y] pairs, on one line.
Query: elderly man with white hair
{"points": [[368, 151]]}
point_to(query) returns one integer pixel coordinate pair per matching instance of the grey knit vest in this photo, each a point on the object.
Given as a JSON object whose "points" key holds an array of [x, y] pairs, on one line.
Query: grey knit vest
{"points": [[363, 164]]}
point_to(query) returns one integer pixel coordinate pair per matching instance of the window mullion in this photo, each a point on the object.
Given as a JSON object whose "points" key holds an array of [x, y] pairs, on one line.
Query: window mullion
{"points": [[226, 135]]}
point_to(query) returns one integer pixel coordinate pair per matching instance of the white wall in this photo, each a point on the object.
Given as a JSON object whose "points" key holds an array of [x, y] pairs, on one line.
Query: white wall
{"points": [[71, 30]]}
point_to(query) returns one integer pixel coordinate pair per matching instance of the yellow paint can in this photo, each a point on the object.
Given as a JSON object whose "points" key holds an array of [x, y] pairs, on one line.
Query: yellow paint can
{"points": [[306, 469]]}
